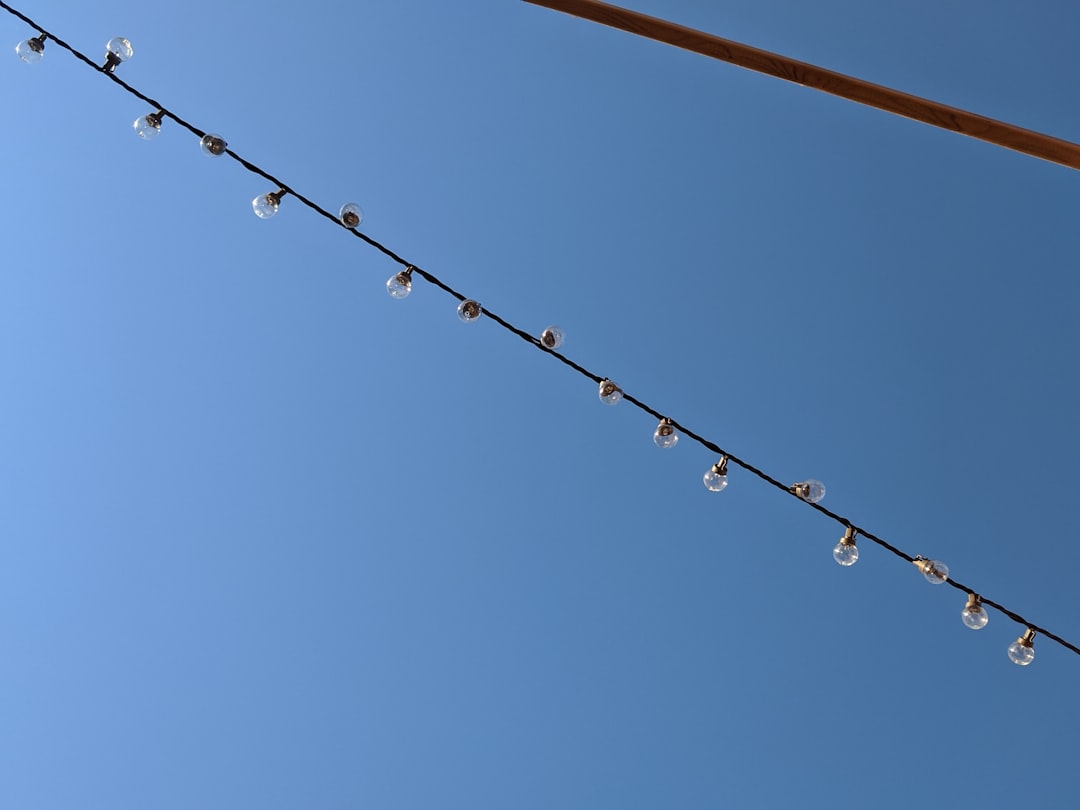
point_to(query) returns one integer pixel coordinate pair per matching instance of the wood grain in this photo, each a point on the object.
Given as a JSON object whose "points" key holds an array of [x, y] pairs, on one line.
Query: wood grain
{"points": [[1000, 133]]}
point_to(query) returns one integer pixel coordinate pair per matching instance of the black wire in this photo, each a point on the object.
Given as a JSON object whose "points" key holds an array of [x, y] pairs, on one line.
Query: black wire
{"points": [[433, 279]]}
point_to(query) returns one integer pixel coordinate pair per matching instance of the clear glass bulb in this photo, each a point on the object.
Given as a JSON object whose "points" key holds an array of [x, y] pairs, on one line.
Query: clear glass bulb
{"points": [[714, 480], [213, 145], [665, 436], [399, 285], [469, 310], [551, 338], [935, 571], [809, 490], [610, 393], [148, 126], [31, 50], [846, 554], [351, 215], [120, 47], [974, 614], [1021, 651], [266, 205], [1020, 654]]}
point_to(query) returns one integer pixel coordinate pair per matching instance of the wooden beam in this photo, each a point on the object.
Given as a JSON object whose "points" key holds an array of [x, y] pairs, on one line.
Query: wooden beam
{"points": [[1000, 133]]}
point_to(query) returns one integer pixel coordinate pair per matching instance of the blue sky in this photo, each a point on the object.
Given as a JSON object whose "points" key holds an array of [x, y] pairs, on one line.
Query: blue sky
{"points": [[273, 539]]}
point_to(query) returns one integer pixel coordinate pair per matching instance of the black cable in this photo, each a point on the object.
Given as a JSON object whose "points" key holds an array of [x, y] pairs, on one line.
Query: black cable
{"points": [[433, 279]]}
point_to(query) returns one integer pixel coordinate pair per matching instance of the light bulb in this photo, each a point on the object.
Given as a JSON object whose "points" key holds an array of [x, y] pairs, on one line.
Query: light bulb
{"points": [[117, 50], [31, 50], [351, 215], [974, 614], [399, 285], [551, 338], [809, 490], [936, 572], [716, 478], [148, 126], [469, 310], [846, 552], [213, 145], [120, 47], [665, 435], [266, 205], [1022, 651], [610, 393]]}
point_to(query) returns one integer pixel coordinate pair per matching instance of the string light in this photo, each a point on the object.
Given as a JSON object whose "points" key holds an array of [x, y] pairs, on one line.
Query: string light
{"points": [[469, 310], [213, 145], [846, 553], [811, 491], [31, 50], [935, 571], [399, 285], [551, 338], [266, 205], [1022, 651], [715, 478], [974, 614], [148, 126], [351, 215], [665, 436], [610, 393], [117, 50]]}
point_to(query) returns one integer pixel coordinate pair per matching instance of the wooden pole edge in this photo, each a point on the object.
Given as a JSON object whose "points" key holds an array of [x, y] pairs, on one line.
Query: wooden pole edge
{"points": [[1000, 133]]}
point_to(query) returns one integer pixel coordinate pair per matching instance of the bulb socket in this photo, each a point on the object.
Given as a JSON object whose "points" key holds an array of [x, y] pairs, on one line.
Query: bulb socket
{"points": [[849, 536], [974, 603], [720, 467], [1028, 639], [111, 62]]}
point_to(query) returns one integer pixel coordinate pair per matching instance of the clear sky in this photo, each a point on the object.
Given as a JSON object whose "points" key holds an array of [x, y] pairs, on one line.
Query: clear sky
{"points": [[272, 539]]}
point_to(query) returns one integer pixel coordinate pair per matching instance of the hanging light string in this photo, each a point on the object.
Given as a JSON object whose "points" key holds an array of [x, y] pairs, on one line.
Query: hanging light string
{"points": [[934, 571]]}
